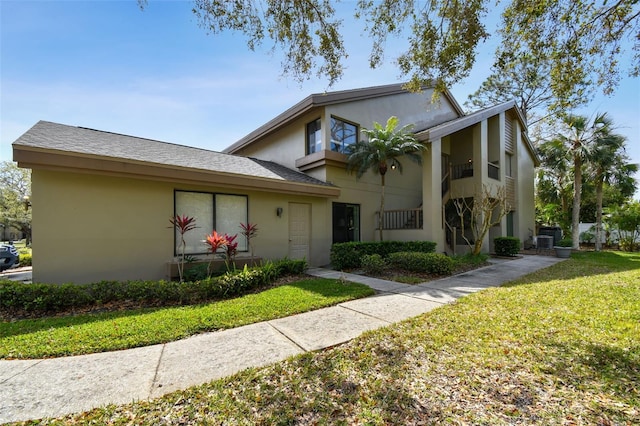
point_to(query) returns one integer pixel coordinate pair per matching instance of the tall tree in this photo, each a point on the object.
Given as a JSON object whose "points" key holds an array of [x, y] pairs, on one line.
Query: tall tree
{"points": [[579, 138], [380, 151], [583, 40], [609, 164], [524, 78], [15, 190]]}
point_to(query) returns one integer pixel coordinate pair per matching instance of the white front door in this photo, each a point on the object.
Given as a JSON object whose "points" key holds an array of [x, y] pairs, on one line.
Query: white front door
{"points": [[299, 230]]}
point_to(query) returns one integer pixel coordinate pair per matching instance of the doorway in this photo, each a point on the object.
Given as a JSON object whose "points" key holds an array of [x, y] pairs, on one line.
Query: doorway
{"points": [[346, 222], [299, 230]]}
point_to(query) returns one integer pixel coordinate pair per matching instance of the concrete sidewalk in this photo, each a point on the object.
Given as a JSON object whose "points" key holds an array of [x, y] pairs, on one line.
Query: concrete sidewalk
{"points": [[32, 389]]}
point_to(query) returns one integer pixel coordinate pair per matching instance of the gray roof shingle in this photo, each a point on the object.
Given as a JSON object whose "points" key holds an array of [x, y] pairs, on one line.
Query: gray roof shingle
{"points": [[83, 141]]}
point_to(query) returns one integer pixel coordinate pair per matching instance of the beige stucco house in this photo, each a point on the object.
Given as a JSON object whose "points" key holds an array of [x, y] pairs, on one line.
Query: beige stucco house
{"points": [[102, 201]]}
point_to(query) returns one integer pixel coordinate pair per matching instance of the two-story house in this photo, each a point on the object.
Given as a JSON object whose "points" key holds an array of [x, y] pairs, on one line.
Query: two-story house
{"points": [[102, 201]]}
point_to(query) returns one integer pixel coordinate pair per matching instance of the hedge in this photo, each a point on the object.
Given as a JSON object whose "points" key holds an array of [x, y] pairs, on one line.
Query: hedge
{"points": [[47, 299], [349, 255], [373, 264], [506, 246], [431, 263]]}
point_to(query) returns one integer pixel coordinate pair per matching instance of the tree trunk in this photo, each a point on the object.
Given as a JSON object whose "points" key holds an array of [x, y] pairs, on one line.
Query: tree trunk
{"points": [[381, 217], [577, 192], [599, 185]]}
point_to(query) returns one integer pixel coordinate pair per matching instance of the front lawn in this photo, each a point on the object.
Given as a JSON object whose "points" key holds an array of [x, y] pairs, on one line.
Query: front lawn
{"points": [[90, 333], [561, 346]]}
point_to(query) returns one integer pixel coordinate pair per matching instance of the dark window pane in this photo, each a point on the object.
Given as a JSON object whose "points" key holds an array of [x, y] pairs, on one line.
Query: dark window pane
{"points": [[343, 134], [346, 222], [314, 137]]}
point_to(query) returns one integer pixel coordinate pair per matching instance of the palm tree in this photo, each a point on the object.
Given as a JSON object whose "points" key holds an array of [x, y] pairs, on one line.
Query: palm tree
{"points": [[580, 140], [381, 151], [609, 164]]}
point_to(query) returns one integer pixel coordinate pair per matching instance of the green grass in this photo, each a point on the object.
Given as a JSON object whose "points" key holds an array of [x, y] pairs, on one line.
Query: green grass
{"points": [[90, 333], [561, 346]]}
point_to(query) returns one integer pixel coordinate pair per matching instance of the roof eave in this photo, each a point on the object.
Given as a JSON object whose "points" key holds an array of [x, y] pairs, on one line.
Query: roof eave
{"points": [[38, 158]]}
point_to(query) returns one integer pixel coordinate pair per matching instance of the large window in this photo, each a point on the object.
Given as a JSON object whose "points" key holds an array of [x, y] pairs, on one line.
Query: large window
{"points": [[314, 137], [346, 222], [343, 134], [222, 212]]}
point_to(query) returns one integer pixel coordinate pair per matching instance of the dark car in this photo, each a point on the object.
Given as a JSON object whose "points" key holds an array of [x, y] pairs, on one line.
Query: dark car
{"points": [[8, 256]]}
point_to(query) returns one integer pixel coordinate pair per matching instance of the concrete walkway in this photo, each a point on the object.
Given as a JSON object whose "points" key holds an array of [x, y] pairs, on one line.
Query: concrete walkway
{"points": [[32, 389]]}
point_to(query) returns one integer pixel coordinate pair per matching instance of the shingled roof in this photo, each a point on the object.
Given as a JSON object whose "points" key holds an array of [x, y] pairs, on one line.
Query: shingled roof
{"points": [[50, 145]]}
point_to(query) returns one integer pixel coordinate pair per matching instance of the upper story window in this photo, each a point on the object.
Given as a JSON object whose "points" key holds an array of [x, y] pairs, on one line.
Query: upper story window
{"points": [[343, 134], [508, 165], [314, 137]]}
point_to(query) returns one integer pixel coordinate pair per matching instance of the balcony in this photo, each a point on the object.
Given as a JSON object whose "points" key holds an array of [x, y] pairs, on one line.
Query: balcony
{"points": [[461, 171], [401, 219]]}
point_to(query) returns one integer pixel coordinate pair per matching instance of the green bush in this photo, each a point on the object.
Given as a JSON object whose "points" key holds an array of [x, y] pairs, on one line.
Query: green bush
{"points": [[507, 246], [45, 299], [288, 266], [373, 264], [587, 237], [25, 259], [196, 272], [565, 242], [431, 263], [349, 255]]}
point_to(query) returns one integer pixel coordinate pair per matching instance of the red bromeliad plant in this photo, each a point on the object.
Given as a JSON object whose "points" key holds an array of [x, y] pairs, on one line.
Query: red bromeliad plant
{"points": [[231, 248], [215, 242], [183, 224], [249, 230], [218, 242]]}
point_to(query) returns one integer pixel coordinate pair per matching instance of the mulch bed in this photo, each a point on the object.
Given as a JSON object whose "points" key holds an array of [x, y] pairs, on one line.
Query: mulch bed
{"points": [[393, 274]]}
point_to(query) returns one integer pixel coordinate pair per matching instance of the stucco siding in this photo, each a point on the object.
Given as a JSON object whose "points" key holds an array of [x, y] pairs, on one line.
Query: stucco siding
{"points": [[525, 191], [411, 108], [402, 191], [286, 145], [89, 228]]}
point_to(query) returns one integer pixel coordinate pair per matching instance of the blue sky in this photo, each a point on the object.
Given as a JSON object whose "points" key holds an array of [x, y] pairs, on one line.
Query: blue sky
{"points": [[155, 74]]}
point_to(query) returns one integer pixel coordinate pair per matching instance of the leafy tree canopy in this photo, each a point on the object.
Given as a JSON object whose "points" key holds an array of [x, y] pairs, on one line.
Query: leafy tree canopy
{"points": [[554, 55], [15, 185], [578, 43]]}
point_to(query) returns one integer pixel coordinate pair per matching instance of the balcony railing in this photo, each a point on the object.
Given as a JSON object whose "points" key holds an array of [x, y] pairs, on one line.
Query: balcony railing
{"points": [[401, 219], [460, 171]]}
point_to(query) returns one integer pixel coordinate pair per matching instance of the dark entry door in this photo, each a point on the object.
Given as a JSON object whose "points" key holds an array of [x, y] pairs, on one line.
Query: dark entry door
{"points": [[346, 222]]}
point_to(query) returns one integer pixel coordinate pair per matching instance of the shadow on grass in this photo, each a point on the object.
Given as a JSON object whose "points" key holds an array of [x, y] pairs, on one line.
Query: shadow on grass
{"points": [[609, 369], [368, 384]]}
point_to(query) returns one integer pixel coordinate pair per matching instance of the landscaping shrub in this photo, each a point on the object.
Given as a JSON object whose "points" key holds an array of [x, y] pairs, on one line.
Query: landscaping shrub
{"points": [[587, 237], [41, 299], [507, 246], [288, 266], [475, 260], [25, 259], [349, 255], [196, 272], [431, 263], [373, 264]]}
